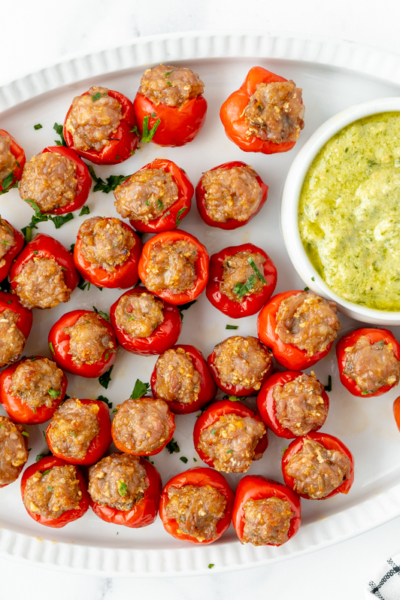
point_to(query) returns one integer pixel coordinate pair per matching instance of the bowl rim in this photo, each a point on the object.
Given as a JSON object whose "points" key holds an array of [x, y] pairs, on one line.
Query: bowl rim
{"points": [[291, 196]]}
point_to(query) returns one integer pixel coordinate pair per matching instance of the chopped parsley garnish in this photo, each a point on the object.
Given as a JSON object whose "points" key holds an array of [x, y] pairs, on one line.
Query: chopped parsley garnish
{"points": [[214, 431], [46, 472], [9, 302], [147, 134], [39, 217], [5, 242], [241, 289], [59, 129], [160, 205], [105, 379], [101, 313], [105, 400], [180, 212], [25, 433], [122, 488], [85, 210], [108, 353], [169, 83], [168, 73], [284, 450], [2, 426], [43, 455], [83, 284], [109, 185], [166, 215], [256, 270], [135, 130], [366, 392], [328, 388], [183, 459], [195, 459], [211, 565], [232, 327], [183, 307], [139, 390], [8, 184], [235, 398], [147, 202], [312, 278], [54, 393], [229, 451], [51, 348], [71, 248], [172, 446], [96, 96], [306, 289], [50, 488], [38, 126]]}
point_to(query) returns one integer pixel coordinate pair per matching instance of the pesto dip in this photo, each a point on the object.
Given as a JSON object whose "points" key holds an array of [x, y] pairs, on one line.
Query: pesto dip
{"points": [[349, 212]]}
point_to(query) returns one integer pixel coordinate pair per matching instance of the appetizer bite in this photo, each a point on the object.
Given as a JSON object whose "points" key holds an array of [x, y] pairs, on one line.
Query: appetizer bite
{"points": [[230, 195], [101, 126], [242, 279], [265, 115], [12, 160], [265, 513], [396, 412], [15, 327], [11, 244], [169, 105], [196, 506], [156, 198], [14, 451], [229, 437]]}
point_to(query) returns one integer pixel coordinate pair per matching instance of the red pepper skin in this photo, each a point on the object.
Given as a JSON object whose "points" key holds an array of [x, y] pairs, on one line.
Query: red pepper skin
{"points": [[163, 337], [250, 304], [124, 275], [234, 121], [13, 252], [97, 446], [396, 412], [213, 413], [266, 402], [168, 220], [25, 318], [256, 487], [179, 125], [26, 440], [59, 346], [231, 223], [208, 388], [349, 340], [197, 477], [201, 266], [19, 155], [45, 246], [120, 446], [330, 443], [69, 515], [287, 355], [144, 513], [84, 181]]}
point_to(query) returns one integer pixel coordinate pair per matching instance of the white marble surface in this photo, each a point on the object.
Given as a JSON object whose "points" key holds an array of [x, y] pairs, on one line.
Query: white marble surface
{"points": [[41, 32]]}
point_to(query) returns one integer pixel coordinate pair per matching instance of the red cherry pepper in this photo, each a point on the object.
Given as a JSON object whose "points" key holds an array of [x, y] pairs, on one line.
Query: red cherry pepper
{"points": [[201, 266], [250, 304], [396, 412], [97, 446], [266, 402], [123, 143], [20, 159], [13, 251], [235, 122], [213, 413], [349, 340], [69, 515], [231, 223], [123, 276], [330, 443], [25, 318], [207, 386], [256, 487], [144, 512], [197, 477], [59, 346], [25, 439]]}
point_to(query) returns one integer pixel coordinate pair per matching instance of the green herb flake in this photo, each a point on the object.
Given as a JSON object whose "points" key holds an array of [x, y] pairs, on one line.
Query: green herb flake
{"points": [[366, 392], [195, 459], [105, 379], [147, 202], [328, 387], [105, 400], [8, 184], [169, 83], [122, 488], [214, 431], [43, 455], [232, 327], [96, 96], [85, 210], [172, 446], [284, 450], [241, 289], [165, 215], [51, 348], [168, 73], [139, 390], [38, 126], [71, 248], [54, 393], [235, 398], [160, 205], [135, 130], [183, 459], [109, 185], [50, 488], [211, 565], [147, 134], [101, 313], [186, 306], [229, 451], [256, 270], [312, 278], [59, 129], [46, 472], [306, 289], [25, 433], [9, 302], [180, 212], [108, 353]]}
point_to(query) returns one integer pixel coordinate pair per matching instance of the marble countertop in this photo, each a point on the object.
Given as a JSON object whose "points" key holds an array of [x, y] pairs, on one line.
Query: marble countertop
{"points": [[42, 32]]}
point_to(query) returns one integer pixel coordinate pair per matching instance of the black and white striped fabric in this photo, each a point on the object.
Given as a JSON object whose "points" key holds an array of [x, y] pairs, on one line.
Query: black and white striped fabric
{"points": [[386, 584]]}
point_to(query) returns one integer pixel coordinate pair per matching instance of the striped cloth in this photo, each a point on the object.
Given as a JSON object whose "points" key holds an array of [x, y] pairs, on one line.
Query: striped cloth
{"points": [[386, 583]]}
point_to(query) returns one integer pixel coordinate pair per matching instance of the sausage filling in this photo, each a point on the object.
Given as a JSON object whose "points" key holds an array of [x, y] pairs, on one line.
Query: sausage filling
{"points": [[142, 425], [7, 159], [299, 405], [37, 382], [242, 361], [41, 284], [316, 471], [170, 85], [172, 267], [89, 339], [13, 451], [7, 239], [177, 379], [275, 112], [308, 322], [73, 427], [146, 195], [231, 194], [53, 492], [139, 315], [105, 243], [12, 340], [50, 180], [239, 279], [231, 442], [93, 119], [372, 366], [196, 509], [118, 481], [266, 521]]}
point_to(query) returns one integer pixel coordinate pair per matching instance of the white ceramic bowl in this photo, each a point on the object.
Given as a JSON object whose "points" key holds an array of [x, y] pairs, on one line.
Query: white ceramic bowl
{"points": [[290, 202]]}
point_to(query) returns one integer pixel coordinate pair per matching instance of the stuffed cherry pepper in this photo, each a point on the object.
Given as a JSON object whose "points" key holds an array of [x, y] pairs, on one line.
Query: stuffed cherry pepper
{"points": [[240, 365], [125, 490], [318, 466], [83, 343], [15, 327], [196, 506], [242, 279], [12, 160], [292, 404], [266, 114], [229, 437], [169, 105], [79, 431], [174, 265], [11, 244], [181, 377], [230, 195], [101, 126], [145, 324], [107, 253], [56, 180], [156, 198], [44, 273], [299, 327], [369, 361], [31, 389], [265, 513], [53, 492], [14, 451]]}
